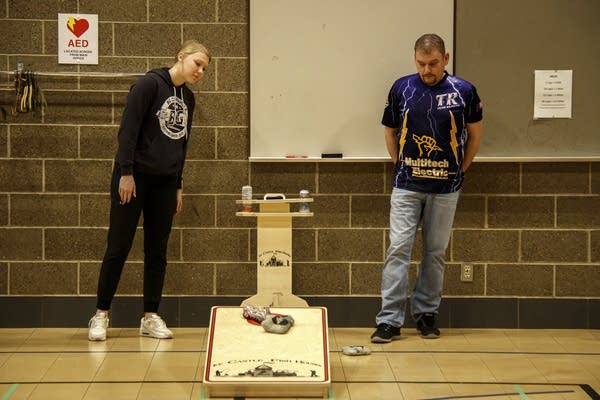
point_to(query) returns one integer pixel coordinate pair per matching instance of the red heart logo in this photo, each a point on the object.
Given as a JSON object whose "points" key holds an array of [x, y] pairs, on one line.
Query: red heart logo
{"points": [[78, 26]]}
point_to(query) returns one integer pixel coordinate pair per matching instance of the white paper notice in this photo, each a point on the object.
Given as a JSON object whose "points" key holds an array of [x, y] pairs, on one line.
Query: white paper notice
{"points": [[77, 38], [553, 94]]}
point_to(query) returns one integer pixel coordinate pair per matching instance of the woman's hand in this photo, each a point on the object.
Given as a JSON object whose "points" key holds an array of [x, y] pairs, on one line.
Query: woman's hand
{"points": [[127, 189]]}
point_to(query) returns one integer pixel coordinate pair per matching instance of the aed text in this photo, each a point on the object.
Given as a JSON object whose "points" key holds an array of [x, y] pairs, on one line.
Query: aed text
{"points": [[78, 43]]}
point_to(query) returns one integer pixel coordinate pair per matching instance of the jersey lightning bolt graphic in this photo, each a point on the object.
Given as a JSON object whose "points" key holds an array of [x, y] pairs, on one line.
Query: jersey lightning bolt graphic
{"points": [[403, 136], [453, 140]]}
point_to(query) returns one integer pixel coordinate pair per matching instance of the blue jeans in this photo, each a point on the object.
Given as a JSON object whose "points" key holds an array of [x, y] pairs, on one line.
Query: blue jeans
{"points": [[436, 214]]}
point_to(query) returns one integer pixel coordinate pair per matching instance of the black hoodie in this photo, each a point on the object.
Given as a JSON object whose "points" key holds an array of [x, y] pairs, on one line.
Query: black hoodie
{"points": [[155, 126]]}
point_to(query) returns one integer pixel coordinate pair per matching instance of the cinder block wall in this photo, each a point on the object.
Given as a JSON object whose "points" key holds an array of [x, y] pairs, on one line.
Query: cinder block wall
{"points": [[531, 231]]}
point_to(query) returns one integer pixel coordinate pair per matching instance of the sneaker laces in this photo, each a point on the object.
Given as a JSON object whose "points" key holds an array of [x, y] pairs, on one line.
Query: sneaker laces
{"points": [[157, 321], [428, 319], [97, 321], [385, 328]]}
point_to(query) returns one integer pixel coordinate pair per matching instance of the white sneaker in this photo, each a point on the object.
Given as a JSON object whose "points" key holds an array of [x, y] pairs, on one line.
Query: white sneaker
{"points": [[97, 327], [155, 327]]}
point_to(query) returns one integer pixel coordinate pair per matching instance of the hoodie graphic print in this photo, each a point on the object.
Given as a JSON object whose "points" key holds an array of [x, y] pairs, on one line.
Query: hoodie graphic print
{"points": [[173, 116]]}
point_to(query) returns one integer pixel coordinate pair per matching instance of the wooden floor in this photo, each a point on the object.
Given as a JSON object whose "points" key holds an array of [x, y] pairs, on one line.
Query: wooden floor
{"points": [[463, 364]]}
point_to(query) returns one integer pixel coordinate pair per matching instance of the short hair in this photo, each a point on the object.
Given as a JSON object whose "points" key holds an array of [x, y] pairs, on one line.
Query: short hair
{"points": [[429, 42], [191, 47]]}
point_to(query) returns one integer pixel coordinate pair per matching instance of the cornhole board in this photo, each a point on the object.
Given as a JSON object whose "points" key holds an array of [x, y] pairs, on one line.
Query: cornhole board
{"points": [[242, 359]]}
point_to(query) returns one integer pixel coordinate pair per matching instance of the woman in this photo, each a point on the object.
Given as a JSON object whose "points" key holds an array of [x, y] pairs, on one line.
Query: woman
{"points": [[147, 177]]}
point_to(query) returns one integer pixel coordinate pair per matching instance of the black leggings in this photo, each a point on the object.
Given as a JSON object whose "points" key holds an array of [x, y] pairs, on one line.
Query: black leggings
{"points": [[157, 198]]}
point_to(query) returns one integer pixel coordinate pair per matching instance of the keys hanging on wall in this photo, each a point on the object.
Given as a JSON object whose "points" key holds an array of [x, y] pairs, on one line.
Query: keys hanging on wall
{"points": [[28, 94]]}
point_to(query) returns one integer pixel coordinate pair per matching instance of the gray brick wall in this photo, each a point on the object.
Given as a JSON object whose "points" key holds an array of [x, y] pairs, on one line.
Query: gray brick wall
{"points": [[530, 229]]}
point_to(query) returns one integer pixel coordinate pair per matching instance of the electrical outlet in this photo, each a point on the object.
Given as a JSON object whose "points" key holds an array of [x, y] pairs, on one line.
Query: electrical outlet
{"points": [[466, 273]]}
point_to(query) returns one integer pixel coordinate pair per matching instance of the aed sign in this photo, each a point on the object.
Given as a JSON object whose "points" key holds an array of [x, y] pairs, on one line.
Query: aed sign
{"points": [[78, 39]]}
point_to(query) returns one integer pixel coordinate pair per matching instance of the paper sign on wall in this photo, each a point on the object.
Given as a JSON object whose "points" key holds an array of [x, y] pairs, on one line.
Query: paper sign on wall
{"points": [[553, 93], [77, 38]]}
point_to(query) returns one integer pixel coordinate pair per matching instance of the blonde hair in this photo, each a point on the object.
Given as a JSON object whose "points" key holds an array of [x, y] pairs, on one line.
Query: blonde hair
{"points": [[191, 47]]}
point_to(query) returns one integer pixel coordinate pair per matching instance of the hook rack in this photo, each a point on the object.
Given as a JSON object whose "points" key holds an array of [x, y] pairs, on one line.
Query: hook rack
{"points": [[81, 74], [29, 96]]}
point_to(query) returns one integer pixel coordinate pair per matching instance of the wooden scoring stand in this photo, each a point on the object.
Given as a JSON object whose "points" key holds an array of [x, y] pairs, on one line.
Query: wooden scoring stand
{"points": [[274, 250], [242, 359]]}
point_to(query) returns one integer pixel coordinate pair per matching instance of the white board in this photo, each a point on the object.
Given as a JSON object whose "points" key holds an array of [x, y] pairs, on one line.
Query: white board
{"points": [[320, 71]]}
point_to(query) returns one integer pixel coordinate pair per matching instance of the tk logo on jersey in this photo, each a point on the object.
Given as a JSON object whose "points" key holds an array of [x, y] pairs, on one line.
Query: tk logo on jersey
{"points": [[446, 100]]}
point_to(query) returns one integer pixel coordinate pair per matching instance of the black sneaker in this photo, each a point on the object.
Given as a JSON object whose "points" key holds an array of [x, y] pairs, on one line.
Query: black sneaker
{"points": [[426, 326], [385, 333]]}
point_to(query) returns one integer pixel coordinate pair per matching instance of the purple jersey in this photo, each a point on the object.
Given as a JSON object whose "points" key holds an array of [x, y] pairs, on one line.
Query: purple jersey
{"points": [[432, 131]]}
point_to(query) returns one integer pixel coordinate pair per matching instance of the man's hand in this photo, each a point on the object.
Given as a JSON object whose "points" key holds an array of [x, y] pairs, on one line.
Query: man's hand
{"points": [[179, 201]]}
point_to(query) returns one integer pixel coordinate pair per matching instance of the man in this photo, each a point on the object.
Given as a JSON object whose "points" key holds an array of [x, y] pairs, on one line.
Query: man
{"points": [[432, 125]]}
